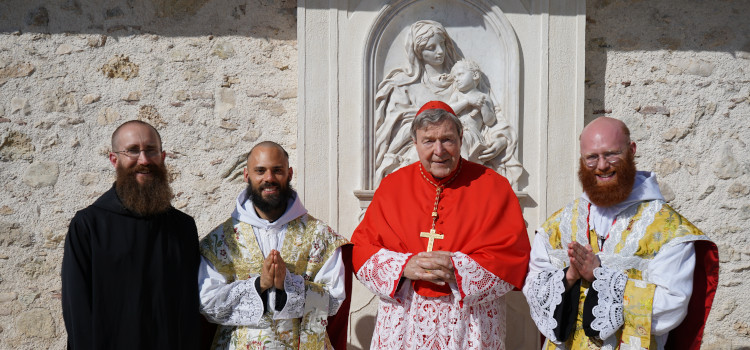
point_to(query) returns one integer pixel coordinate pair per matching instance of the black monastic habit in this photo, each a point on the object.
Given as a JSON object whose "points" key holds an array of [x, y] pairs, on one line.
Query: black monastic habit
{"points": [[130, 282]]}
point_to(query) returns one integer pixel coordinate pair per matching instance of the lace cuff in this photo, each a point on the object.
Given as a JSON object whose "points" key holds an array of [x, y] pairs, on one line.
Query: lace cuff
{"points": [[475, 283], [381, 273], [237, 304], [333, 305], [543, 291], [610, 286], [294, 286]]}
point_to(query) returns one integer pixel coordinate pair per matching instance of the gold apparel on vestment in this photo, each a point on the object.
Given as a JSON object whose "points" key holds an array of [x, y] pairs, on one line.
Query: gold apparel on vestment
{"points": [[433, 235]]}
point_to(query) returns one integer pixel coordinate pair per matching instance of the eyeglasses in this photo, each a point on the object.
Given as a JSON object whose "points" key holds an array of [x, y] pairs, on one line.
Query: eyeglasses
{"points": [[612, 157], [135, 152]]}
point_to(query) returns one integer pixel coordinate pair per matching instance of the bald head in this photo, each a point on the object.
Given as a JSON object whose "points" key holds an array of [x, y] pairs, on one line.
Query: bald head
{"points": [[266, 146], [605, 133], [116, 144]]}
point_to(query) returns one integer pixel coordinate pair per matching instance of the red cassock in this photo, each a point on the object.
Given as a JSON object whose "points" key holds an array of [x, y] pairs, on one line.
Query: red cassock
{"points": [[478, 214]]}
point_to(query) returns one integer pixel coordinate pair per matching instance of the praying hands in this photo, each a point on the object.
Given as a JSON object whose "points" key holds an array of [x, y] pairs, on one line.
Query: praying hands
{"points": [[583, 261], [273, 272]]}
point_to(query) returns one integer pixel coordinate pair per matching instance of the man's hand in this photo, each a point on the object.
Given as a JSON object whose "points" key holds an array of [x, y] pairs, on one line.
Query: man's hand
{"points": [[435, 267], [571, 276], [273, 271], [583, 260], [280, 270], [267, 273]]}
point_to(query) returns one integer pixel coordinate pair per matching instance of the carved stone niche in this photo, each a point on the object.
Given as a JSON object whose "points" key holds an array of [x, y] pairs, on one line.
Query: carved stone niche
{"points": [[464, 53]]}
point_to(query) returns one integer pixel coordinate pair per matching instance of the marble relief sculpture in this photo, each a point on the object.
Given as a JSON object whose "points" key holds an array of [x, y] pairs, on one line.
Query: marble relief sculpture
{"points": [[436, 71]]}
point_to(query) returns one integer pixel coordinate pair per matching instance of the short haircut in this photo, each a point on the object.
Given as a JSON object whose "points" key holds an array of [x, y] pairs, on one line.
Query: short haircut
{"points": [[134, 121], [269, 144], [435, 116]]}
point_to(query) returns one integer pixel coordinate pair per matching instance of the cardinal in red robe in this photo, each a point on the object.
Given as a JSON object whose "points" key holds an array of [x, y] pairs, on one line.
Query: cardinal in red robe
{"points": [[441, 244]]}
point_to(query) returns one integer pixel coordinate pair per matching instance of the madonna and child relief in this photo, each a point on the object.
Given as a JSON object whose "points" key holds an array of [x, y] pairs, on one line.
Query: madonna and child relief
{"points": [[435, 69]]}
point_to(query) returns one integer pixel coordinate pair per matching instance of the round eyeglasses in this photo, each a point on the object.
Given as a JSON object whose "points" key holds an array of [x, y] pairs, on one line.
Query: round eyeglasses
{"points": [[135, 152], [612, 158]]}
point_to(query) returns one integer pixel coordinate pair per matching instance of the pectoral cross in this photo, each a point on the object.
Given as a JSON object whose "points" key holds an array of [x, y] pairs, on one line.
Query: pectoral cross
{"points": [[432, 235]]}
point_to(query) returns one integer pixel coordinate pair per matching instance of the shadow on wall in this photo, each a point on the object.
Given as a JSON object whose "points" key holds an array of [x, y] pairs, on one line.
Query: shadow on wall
{"points": [[670, 26], [161, 17], [363, 331]]}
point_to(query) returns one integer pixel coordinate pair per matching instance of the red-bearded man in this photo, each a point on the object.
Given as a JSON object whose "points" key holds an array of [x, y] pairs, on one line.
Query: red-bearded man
{"points": [[618, 268]]}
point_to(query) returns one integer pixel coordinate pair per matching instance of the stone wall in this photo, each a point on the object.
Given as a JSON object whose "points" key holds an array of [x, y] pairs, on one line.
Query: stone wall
{"points": [[217, 77], [678, 73], [214, 77]]}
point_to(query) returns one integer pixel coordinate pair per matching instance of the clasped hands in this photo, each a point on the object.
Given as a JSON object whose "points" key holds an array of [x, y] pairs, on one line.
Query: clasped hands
{"points": [[435, 267], [583, 261], [273, 272]]}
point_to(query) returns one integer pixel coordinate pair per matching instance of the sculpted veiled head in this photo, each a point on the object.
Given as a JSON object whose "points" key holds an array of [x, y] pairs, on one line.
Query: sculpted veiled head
{"points": [[428, 43]]}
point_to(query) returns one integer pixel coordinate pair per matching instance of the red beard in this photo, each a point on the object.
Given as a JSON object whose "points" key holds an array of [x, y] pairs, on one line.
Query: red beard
{"points": [[606, 195], [150, 198]]}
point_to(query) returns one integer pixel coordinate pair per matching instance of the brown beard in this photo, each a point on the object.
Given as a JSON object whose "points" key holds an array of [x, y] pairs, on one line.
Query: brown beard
{"points": [[609, 194], [277, 202], [150, 198]]}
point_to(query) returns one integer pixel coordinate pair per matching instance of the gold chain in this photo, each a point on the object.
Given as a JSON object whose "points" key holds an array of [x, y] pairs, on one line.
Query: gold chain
{"points": [[438, 190]]}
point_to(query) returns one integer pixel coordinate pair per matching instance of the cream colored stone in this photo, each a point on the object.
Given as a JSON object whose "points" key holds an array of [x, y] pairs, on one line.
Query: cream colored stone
{"points": [[256, 92], [36, 322], [667, 166], [90, 98], [17, 70], [6, 309], [33, 267], [178, 55], [88, 178], [20, 104], [738, 190], [97, 41], [41, 174], [226, 101], [6, 210], [107, 116], [28, 298], [11, 233], [223, 50], [726, 166], [53, 238], [666, 191], [133, 96], [181, 95], [274, 108], [227, 125], [8, 296], [252, 135], [288, 93], [64, 49]]}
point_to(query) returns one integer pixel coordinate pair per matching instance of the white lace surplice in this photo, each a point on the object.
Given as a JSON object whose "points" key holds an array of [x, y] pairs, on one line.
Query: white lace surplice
{"points": [[238, 303], [407, 320], [671, 271]]}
